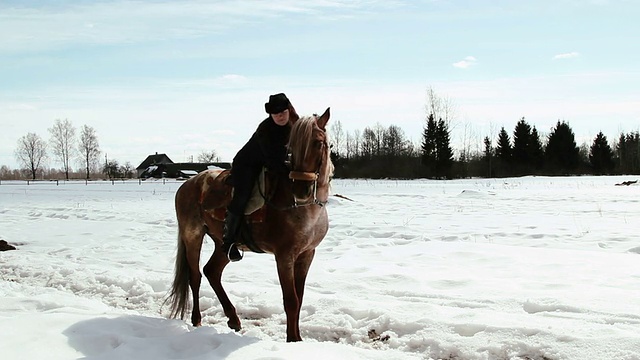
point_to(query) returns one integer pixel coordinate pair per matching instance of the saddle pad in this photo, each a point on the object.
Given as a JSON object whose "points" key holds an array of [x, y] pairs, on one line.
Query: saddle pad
{"points": [[255, 207]]}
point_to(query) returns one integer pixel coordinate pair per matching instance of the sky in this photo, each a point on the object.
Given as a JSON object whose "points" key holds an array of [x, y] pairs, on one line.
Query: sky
{"points": [[183, 77], [532, 268]]}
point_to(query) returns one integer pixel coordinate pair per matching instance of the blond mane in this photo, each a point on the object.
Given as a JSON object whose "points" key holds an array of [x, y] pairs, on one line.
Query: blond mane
{"points": [[301, 143]]}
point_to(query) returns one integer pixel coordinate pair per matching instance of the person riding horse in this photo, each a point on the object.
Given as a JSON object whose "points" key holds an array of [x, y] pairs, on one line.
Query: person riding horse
{"points": [[266, 148]]}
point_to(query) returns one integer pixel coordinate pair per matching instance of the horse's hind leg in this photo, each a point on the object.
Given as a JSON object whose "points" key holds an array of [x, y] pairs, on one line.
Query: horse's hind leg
{"points": [[213, 271], [193, 243]]}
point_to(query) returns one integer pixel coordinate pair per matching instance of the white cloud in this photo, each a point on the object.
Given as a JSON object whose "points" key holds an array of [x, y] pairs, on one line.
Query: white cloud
{"points": [[29, 27], [570, 55], [466, 63]]}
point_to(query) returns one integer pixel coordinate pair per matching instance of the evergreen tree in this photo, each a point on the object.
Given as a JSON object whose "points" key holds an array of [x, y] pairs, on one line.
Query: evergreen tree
{"points": [[601, 155], [488, 155], [429, 139], [629, 153], [444, 152], [503, 148], [521, 153], [620, 153], [503, 153], [536, 151], [562, 155]]}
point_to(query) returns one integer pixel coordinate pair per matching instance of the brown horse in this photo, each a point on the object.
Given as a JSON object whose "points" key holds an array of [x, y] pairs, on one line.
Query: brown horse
{"points": [[291, 224]]}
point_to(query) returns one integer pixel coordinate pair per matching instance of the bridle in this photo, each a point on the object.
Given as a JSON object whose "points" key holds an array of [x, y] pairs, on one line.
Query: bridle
{"points": [[309, 176]]}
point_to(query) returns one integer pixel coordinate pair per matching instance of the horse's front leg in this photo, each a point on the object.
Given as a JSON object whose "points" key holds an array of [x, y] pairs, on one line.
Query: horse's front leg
{"points": [[289, 295], [213, 271], [301, 270]]}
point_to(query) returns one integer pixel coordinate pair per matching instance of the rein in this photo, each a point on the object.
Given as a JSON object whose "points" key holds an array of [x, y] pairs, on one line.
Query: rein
{"points": [[306, 176], [311, 177]]}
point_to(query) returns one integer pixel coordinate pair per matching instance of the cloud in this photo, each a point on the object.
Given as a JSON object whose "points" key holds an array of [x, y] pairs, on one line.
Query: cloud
{"points": [[466, 63], [570, 55], [28, 27]]}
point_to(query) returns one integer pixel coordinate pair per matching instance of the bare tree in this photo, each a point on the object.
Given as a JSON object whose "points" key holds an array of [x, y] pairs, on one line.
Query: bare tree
{"points": [[89, 149], [208, 157], [441, 108], [469, 138], [5, 172], [394, 142], [353, 144], [378, 131], [337, 137], [63, 136], [368, 144], [126, 170], [31, 153]]}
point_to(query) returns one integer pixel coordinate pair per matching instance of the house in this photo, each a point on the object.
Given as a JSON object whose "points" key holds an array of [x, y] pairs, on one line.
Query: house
{"points": [[160, 166], [153, 164]]}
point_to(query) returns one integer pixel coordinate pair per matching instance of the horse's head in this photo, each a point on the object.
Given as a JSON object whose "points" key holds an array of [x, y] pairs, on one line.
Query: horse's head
{"points": [[309, 147]]}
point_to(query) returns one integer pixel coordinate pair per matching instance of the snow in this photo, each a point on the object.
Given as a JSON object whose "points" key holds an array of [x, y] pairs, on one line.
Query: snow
{"points": [[517, 268]]}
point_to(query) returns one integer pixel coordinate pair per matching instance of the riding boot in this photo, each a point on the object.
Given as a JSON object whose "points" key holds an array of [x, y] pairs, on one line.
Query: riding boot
{"points": [[230, 232]]}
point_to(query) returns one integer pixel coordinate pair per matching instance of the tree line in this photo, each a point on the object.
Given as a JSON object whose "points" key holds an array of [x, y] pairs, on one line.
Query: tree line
{"points": [[379, 152], [66, 145], [32, 151], [384, 152]]}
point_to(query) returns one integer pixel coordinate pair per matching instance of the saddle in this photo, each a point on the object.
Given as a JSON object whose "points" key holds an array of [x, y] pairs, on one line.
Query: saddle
{"points": [[217, 192]]}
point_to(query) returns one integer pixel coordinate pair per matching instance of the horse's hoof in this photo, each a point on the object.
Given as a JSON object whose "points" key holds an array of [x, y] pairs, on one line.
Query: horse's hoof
{"points": [[234, 325]]}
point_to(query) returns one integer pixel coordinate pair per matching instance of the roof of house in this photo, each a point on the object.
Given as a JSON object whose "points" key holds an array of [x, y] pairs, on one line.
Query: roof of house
{"points": [[153, 160]]}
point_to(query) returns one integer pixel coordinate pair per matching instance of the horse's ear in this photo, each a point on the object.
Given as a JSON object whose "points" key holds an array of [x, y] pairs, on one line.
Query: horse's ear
{"points": [[324, 119]]}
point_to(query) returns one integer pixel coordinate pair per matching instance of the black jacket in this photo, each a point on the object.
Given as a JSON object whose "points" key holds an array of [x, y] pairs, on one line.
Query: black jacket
{"points": [[267, 147]]}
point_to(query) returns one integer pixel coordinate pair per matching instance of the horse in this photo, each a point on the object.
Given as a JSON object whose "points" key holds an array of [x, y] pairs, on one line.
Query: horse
{"points": [[293, 222]]}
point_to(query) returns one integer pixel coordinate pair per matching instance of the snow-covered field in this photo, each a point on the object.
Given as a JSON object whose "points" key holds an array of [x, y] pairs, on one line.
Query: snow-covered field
{"points": [[518, 268]]}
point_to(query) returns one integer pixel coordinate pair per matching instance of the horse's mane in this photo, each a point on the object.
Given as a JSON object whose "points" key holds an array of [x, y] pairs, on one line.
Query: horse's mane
{"points": [[300, 143]]}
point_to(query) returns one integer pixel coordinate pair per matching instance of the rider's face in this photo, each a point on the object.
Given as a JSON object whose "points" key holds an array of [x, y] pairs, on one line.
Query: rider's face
{"points": [[281, 118]]}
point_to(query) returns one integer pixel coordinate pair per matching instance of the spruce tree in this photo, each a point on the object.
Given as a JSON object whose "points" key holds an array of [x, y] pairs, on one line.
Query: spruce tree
{"points": [[562, 156], [521, 147], [503, 148], [488, 155], [629, 153], [444, 152], [536, 151], [429, 140], [503, 153], [601, 155]]}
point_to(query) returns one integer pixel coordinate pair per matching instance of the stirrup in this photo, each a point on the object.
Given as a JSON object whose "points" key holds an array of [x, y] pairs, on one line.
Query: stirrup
{"points": [[234, 254]]}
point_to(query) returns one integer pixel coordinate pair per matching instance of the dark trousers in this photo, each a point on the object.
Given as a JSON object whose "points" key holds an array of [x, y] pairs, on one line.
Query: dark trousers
{"points": [[244, 178]]}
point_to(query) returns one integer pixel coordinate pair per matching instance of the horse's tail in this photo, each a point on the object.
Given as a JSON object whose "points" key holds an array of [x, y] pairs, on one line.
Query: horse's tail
{"points": [[178, 297]]}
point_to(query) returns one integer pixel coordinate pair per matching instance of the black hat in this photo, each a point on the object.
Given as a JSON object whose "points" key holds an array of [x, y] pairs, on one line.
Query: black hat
{"points": [[277, 104]]}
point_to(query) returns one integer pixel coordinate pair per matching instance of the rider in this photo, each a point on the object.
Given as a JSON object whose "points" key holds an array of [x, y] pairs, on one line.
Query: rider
{"points": [[267, 147]]}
